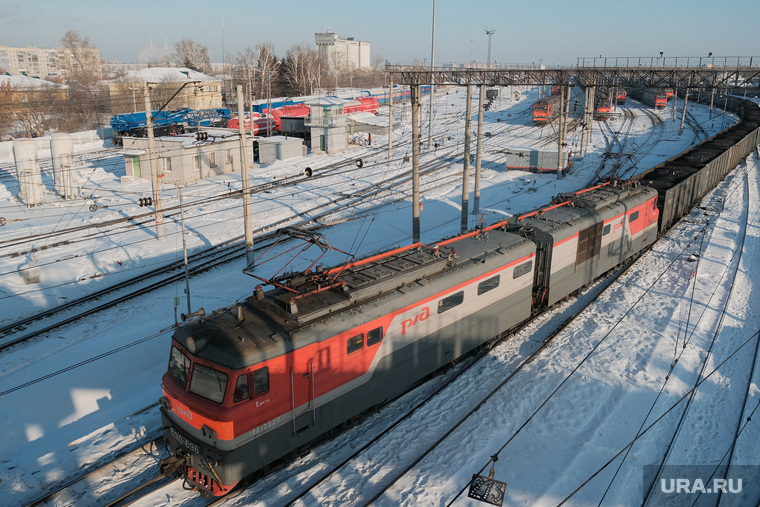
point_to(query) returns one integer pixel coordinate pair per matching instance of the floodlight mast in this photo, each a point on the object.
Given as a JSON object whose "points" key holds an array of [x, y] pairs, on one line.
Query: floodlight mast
{"points": [[489, 33]]}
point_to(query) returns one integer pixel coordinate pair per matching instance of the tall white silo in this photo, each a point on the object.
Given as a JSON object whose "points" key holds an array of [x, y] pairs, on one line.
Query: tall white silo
{"points": [[31, 191], [62, 150]]}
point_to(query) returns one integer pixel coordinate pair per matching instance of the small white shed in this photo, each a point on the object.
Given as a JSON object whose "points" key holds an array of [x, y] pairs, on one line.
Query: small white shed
{"points": [[276, 148]]}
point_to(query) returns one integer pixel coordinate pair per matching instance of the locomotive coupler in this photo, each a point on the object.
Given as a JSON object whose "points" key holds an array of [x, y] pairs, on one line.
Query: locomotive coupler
{"points": [[168, 466]]}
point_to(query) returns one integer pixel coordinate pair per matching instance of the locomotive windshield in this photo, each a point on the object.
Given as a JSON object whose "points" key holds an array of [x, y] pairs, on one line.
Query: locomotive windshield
{"points": [[208, 382]]}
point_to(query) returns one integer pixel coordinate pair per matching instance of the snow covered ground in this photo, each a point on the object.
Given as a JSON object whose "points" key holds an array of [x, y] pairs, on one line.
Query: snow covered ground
{"points": [[76, 395]]}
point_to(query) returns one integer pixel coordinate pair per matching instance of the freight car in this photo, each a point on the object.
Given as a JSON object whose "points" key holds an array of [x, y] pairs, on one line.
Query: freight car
{"points": [[650, 97], [254, 382], [683, 180], [381, 94], [546, 110], [273, 123]]}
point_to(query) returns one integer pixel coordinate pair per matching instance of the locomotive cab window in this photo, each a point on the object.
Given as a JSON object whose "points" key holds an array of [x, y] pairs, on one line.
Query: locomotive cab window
{"points": [[450, 302], [634, 216], [208, 382], [374, 336], [607, 229], [179, 366], [241, 388], [261, 381], [489, 284], [355, 343]]}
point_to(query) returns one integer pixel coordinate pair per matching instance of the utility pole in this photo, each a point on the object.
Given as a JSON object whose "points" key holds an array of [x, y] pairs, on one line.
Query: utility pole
{"points": [[390, 121], [152, 152], [466, 168], [432, 81], [249, 258], [153, 169], [269, 103], [478, 151], [489, 33], [184, 250], [415, 96]]}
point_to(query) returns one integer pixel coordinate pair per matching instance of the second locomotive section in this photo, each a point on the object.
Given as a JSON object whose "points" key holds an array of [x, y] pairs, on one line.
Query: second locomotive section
{"points": [[257, 381]]}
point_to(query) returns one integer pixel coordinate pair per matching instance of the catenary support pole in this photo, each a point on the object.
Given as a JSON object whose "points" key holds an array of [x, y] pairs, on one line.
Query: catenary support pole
{"points": [[478, 152], [683, 114], [415, 96], [390, 120], [153, 169], [466, 165], [562, 119], [249, 257], [432, 86], [184, 250]]}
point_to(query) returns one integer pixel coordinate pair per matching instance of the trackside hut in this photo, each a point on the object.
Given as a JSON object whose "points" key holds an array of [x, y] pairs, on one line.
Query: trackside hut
{"points": [[183, 159]]}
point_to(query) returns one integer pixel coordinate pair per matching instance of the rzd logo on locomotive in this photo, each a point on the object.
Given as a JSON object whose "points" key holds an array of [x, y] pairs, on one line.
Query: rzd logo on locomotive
{"points": [[407, 323]]}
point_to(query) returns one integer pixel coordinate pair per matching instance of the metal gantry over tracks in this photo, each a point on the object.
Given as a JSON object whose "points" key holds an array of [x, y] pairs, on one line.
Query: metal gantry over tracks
{"points": [[744, 73]]}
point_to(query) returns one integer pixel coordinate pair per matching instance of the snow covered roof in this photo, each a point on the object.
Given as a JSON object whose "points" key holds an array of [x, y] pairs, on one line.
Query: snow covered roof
{"points": [[26, 82], [159, 74]]}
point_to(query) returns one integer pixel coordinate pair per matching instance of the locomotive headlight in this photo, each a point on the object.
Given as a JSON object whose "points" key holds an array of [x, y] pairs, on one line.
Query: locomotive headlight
{"points": [[195, 344], [165, 403]]}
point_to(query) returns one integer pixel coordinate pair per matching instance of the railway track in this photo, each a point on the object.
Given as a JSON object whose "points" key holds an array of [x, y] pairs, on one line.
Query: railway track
{"points": [[217, 255], [728, 279]]}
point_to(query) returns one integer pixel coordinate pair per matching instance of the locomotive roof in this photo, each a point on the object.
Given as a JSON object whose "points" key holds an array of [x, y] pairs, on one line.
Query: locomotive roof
{"points": [[607, 201], [273, 320]]}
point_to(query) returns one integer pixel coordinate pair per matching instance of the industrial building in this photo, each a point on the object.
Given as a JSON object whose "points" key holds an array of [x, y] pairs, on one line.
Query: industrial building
{"points": [[342, 54]]}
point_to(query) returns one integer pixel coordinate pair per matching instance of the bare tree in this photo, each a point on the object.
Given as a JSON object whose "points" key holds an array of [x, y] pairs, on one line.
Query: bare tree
{"points": [[32, 107], [190, 54], [7, 108], [245, 70], [86, 97], [268, 65], [300, 70]]}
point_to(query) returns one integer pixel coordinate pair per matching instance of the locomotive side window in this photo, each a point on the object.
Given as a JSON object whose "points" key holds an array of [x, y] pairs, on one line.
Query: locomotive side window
{"points": [[179, 366], [633, 216], [522, 269], [261, 381], [450, 302], [355, 343], [607, 229], [374, 336], [208, 382], [241, 388], [489, 284]]}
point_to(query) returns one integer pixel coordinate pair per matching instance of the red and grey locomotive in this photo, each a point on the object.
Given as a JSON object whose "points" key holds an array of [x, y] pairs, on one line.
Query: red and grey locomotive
{"points": [[254, 382]]}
